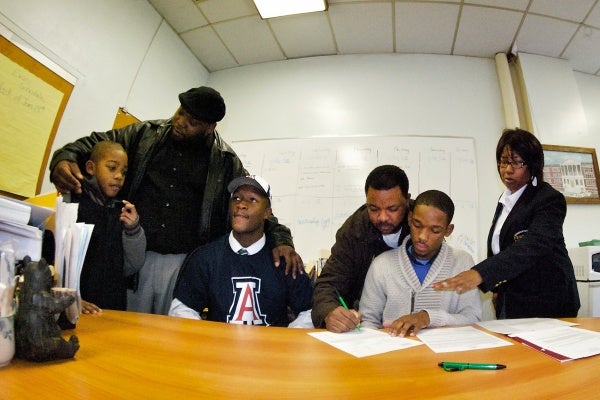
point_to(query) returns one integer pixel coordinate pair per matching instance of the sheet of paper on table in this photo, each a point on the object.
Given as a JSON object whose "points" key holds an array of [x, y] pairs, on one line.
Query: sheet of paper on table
{"points": [[444, 340], [564, 343], [365, 342], [514, 326]]}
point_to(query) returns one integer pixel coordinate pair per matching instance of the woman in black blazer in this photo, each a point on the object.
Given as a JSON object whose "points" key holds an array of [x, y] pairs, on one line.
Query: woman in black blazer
{"points": [[528, 267]]}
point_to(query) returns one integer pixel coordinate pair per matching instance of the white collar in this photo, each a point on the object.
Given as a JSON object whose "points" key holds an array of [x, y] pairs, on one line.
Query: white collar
{"points": [[509, 199], [392, 239], [252, 249]]}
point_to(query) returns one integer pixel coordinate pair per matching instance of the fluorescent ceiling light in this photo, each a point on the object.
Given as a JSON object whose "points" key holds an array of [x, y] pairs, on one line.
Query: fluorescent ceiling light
{"points": [[278, 8]]}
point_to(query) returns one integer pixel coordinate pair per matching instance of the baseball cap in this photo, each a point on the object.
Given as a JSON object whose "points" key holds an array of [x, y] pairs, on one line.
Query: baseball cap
{"points": [[251, 180]]}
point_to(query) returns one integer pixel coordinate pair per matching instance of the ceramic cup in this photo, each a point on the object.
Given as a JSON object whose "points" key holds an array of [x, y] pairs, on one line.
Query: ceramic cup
{"points": [[7, 340]]}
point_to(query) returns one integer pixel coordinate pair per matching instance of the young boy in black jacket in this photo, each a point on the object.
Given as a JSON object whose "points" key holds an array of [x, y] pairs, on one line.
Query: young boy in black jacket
{"points": [[118, 244]]}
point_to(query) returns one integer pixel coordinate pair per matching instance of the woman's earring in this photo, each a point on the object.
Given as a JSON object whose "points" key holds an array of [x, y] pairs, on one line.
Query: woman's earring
{"points": [[534, 181]]}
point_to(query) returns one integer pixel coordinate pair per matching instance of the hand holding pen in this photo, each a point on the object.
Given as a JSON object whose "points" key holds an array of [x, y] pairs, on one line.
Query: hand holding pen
{"points": [[342, 319], [343, 303]]}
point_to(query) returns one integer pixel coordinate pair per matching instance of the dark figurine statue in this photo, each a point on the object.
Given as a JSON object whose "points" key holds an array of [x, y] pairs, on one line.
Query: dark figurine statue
{"points": [[37, 334]]}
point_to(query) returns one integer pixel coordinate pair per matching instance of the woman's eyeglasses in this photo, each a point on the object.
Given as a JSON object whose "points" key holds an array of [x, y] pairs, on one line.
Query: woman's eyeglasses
{"points": [[513, 164]]}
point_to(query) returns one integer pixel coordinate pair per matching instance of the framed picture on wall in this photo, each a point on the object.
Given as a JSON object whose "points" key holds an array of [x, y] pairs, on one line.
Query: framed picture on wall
{"points": [[573, 171]]}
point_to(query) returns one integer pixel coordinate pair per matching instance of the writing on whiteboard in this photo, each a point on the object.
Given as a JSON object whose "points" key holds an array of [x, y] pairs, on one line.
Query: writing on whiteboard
{"points": [[317, 183]]}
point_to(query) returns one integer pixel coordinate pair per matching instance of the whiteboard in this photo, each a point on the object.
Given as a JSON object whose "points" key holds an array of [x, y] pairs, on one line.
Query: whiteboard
{"points": [[316, 183]]}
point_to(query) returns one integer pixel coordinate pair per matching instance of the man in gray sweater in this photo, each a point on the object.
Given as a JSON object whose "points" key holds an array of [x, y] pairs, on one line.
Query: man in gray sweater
{"points": [[398, 291]]}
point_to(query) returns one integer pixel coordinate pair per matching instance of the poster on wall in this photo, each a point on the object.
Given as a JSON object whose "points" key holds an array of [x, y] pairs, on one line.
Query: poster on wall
{"points": [[32, 101]]}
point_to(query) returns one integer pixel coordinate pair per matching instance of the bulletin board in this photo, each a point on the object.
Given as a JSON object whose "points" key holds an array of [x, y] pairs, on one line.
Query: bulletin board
{"points": [[32, 102], [123, 118], [316, 183]]}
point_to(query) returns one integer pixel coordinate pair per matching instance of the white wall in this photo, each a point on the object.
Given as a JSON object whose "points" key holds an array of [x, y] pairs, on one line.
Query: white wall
{"points": [[554, 100], [120, 53], [582, 219], [565, 109], [589, 90]]}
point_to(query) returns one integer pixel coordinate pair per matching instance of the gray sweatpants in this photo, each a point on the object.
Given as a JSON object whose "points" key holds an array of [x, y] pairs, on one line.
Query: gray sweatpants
{"points": [[156, 283]]}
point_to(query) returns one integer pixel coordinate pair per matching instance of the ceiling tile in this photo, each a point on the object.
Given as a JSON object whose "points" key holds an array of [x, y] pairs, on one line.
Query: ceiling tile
{"points": [[208, 48], [223, 10], [583, 53], [557, 35], [314, 30], [425, 28], [354, 1], [250, 40], [483, 32], [362, 27], [221, 36], [573, 10], [594, 18], [182, 15], [511, 4], [428, 1]]}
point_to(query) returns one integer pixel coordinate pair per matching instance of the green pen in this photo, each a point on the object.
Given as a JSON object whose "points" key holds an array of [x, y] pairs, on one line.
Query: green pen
{"points": [[461, 366], [341, 299]]}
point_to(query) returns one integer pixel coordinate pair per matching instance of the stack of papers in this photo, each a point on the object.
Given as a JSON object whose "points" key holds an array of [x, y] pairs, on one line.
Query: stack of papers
{"points": [[555, 338], [22, 225], [72, 239], [14, 211], [26, 239]]}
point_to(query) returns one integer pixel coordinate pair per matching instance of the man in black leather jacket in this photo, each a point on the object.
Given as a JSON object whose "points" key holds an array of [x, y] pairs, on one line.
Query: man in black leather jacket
{"points": [[178, 174]]}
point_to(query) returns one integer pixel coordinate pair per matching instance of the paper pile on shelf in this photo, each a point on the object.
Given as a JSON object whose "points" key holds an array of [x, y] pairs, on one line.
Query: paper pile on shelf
{"points": [[13, 211], [22, 224]]}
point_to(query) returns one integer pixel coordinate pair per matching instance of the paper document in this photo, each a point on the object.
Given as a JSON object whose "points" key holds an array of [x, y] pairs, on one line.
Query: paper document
{"points": [[563, 344], [26, 239], [23, 212], [79, 236], [365, 342], [22, 224], [444, 340], [66, 215], [72, 240], [14, 211], [518, 325]]}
